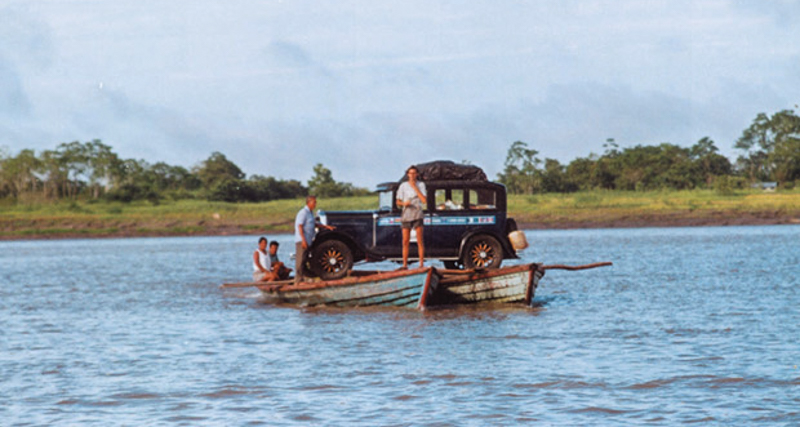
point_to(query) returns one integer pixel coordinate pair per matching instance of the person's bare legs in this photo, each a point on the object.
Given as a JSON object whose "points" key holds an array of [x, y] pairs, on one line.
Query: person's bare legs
{"points": [[420, 247], [406, 244], [300, 255]]}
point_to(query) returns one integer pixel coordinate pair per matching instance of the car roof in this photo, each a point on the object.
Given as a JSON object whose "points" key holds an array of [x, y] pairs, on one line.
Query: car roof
{"points": [[387, 186]]}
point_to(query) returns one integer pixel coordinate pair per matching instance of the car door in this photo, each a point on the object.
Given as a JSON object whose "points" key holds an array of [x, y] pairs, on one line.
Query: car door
{"points": [[387, 234], [460, 212], [449, 221]]}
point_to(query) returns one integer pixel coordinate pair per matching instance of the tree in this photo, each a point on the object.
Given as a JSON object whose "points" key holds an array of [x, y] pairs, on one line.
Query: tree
{"points": [[322, 184], [579, 172], [708, 162], [18, 174], [104, 167], [554, 178], [521, 173], [216, 169], [771, 147]]}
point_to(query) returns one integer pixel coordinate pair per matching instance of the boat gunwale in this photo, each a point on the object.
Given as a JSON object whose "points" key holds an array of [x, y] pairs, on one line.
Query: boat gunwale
{"points": [[455, 276], [288, 285]]}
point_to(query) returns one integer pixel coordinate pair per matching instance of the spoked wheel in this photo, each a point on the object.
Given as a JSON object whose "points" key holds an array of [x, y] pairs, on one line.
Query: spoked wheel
{"points": [[483, 252], [331, 260]]}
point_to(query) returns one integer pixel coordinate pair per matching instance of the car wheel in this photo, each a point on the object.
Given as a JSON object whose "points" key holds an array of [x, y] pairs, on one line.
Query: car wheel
{"points": [[482, 252], [331, 260]]}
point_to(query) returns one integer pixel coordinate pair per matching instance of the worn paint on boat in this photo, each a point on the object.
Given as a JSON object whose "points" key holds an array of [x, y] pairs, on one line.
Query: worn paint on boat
{"points": [[408, 288], [515, 284]]}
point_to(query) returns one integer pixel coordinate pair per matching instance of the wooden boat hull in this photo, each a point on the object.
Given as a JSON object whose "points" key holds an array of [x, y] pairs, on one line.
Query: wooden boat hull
{"points": [[410, 288], [515, 284]]}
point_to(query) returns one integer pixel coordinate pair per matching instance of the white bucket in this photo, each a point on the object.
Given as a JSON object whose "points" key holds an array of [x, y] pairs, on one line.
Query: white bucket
{"points": [[518, 240]]}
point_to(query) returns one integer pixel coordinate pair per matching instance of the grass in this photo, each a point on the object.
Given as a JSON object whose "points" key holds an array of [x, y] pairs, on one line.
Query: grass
{"points": [[614, 207], [24, 220], [183, 217]]}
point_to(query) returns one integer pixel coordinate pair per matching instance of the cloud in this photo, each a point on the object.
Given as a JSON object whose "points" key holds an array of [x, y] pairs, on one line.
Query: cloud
{"points": [[14, 103], [369, 88], [784, 12], [25, 37], [25, 46], [288, 55], [144, 131], [285, 57]]}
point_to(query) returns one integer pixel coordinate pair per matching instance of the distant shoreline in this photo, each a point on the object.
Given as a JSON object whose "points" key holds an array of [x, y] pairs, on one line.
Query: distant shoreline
{"points": [[586, 210], [234, 230]]}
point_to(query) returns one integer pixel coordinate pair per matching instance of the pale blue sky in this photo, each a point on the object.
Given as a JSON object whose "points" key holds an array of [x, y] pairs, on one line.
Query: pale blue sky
{"points": [[368, 87]]}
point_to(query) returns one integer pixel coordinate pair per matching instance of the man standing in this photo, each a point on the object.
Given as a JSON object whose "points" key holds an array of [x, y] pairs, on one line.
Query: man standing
{"points": [[411, 196], [304, 232]]}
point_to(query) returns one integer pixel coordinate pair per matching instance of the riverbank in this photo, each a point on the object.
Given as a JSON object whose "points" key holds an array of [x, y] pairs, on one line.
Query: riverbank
{"points": [[87, 219]]}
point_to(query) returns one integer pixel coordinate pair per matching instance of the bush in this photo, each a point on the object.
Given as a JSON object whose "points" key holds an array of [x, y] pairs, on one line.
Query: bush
{"points": [[727, 185], [232, 190], [130, 192]]}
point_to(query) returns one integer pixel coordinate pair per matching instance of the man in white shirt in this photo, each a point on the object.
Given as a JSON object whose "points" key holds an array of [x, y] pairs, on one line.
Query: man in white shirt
{"points": [[411, 196], [304, 232]]}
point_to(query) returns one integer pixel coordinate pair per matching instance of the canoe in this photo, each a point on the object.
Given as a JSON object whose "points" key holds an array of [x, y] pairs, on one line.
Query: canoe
{"points": [[407, 288], [514, 284], [420, 288]]}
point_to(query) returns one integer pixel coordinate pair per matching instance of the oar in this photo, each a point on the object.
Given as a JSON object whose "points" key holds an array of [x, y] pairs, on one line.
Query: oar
{"points": [[240, 285], [249, 284], [574, 267]]}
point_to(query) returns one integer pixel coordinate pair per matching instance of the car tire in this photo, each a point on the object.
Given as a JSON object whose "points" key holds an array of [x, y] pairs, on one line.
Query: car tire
{"points": [[331, 259], [482, 252]]}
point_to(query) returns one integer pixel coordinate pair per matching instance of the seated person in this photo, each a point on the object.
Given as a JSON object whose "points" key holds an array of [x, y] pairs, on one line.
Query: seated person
{"points": [[276, 265], [448, 205], [262, 271]]}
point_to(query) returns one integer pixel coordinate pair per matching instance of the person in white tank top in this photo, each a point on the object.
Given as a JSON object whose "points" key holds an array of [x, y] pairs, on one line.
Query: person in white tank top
{"points": [[262, 271]]}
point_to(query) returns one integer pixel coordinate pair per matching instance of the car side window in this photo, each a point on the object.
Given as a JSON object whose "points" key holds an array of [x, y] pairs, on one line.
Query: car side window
{"points": [[385, 201], [449, 199], [482, 199]]}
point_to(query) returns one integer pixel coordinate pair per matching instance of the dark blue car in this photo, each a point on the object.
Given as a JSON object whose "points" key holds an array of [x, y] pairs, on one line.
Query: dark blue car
{"points": [[465, 226]]}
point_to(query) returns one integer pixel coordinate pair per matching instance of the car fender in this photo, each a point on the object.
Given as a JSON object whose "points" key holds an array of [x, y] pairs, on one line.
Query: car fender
{"points": [[325, 235], [508, 250]]}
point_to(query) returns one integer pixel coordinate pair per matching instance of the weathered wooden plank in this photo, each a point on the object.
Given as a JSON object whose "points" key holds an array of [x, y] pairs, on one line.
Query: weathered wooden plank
{"points": [[514, 284], [399, 289]]}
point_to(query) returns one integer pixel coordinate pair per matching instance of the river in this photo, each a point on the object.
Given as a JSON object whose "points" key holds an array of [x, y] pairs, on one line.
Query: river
{"points": [[690, 325]]}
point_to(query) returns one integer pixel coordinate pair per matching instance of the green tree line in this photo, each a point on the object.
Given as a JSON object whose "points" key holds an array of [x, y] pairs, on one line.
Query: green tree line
{"points": [[92, 171], [770, 152]]}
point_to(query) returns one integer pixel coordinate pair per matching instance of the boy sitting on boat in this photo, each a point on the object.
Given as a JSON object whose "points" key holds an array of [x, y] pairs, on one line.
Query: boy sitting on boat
{"points": [[262, 267], [276, 265]]}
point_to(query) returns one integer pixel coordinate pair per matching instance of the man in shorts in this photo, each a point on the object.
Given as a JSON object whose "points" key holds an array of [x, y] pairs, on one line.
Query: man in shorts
{"points": [[411, 196]]}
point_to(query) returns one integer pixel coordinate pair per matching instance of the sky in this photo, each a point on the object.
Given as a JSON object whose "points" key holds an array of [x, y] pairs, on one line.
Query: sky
{"points": [[368, 88]]}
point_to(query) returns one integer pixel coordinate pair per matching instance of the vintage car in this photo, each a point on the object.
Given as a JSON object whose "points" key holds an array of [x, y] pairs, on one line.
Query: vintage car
{"points": [[465, 225]]}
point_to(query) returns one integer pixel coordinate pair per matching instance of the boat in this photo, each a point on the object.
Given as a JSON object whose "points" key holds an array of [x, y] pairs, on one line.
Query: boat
{"points": [[405, 288], [417, 288], [513, 284]]}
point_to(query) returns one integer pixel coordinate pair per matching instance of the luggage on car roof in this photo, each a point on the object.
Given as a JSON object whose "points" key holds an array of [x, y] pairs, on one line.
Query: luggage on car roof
{"points": [[446, 170]]}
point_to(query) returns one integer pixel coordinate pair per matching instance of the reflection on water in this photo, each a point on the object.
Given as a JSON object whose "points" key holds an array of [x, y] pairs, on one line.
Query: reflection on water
{"points": [[689, 325]]}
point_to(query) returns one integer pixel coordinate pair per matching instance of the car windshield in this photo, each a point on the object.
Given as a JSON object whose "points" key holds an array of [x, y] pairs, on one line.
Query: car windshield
{"points": [[385, 200]]}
